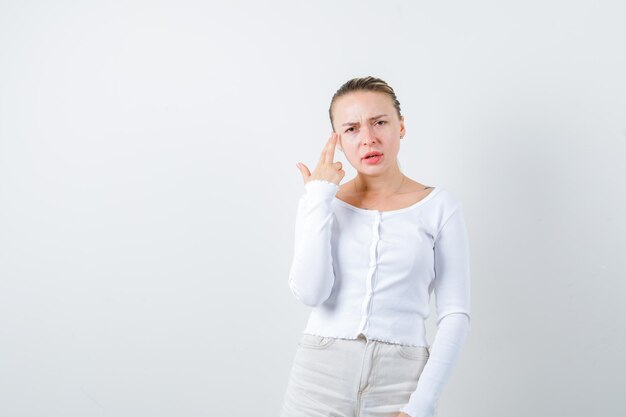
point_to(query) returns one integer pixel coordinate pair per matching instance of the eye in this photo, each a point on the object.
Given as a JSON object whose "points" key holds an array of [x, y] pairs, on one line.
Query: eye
{"points": [[347, 130], [382, 121]]}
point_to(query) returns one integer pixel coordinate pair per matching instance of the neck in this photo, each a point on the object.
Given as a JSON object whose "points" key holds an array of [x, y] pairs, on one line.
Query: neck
{"points": [[379, 184]]}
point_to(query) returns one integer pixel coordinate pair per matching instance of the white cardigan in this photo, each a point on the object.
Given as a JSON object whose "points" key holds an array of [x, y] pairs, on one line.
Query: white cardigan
{"points": [[372, 272]]}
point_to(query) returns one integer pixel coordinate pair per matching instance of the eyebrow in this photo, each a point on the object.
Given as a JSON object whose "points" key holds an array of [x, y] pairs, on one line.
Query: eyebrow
{"points": [[371, 118]]}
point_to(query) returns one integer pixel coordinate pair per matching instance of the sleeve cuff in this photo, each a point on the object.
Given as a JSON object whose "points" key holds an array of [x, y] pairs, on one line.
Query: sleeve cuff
{"points": [[321, 188]]}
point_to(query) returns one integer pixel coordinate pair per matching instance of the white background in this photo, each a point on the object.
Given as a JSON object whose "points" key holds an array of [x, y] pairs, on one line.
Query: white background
{"points": [[148, 191]]}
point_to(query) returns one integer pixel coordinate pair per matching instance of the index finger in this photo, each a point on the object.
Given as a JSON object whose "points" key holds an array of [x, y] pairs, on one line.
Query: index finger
{"points": [[330, 152], [324, 154]]}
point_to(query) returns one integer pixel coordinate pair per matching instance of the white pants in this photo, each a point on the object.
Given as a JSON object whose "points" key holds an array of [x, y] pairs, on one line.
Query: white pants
{"points": [[333, 377]]}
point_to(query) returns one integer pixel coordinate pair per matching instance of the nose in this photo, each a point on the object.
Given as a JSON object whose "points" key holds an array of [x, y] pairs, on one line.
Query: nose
{"points": [[367, 135]]}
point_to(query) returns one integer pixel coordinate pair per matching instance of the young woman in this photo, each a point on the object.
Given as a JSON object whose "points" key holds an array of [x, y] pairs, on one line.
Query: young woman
{"points": [[368, 254]]}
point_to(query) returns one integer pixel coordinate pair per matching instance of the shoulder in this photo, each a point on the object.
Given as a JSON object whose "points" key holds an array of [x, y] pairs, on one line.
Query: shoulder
{"points": [[443, 204], [447, 197], [450, 208]]}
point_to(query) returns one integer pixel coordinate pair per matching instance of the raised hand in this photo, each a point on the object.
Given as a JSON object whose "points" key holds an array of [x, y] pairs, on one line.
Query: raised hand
{"points": [[326, 169]]}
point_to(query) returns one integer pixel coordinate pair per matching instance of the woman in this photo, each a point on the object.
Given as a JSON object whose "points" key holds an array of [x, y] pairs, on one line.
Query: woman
{"points": [[368, 254]]}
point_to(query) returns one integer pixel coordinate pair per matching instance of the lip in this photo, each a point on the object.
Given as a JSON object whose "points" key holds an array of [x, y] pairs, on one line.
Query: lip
{"points": [[374, 160], [371, 153]]}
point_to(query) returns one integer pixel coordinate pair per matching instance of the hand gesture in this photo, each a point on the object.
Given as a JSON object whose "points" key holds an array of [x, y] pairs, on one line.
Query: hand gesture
{"points": [[326, 169]]}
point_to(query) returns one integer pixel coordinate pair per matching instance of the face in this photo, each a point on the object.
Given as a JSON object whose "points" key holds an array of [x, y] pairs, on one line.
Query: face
{"points": [[367, 121]]}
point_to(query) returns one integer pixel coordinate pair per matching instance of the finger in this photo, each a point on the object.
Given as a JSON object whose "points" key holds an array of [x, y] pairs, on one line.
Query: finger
{"points": [[330, 153], [304, 171], [324, 150], [324, 154]]}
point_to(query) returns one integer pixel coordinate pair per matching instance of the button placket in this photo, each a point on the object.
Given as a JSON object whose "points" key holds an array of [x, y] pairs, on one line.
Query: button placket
{"points": [[373, 264]]}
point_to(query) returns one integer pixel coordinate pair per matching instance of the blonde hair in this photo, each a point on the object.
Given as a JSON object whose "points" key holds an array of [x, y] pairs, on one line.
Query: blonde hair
{"points": [[364, 84]]}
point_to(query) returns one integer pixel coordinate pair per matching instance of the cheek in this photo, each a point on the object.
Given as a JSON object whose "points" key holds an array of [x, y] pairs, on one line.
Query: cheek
{"points": [[350, 151], [350, 143]]}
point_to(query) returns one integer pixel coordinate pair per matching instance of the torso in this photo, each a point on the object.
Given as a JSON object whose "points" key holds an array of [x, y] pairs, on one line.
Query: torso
{"points": [[411, 192]]}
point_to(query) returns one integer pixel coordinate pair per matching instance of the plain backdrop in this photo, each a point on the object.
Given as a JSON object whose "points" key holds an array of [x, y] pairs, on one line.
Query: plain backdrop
{"points": [[148, 193]]}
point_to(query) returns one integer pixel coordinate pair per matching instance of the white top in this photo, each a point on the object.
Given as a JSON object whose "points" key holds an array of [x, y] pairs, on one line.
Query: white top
{"points": [[372, 272]]}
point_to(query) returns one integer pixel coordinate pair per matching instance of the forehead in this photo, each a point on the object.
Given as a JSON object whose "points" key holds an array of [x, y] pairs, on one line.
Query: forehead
{"points": [[362, 105]]}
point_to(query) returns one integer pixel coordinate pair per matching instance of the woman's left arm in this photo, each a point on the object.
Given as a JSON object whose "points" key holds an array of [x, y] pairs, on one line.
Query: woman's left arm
{"points": [[452, 295]]}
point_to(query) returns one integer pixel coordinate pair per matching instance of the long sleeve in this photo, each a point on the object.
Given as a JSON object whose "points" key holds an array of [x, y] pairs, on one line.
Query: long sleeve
{"points": [[311, 276], [452, 292]]}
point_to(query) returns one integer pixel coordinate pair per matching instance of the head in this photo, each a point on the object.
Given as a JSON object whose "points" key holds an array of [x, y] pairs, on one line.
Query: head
{"points": [[366, 114]]}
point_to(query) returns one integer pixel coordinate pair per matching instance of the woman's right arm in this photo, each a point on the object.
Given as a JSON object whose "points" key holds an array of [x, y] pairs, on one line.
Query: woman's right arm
{"points": [[311, 276]]}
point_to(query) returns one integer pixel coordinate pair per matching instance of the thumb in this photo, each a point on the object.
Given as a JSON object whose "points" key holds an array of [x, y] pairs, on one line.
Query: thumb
{"points": [[304, 171]]}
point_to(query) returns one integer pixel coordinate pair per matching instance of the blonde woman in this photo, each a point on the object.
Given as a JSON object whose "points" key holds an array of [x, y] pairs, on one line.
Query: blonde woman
{"points": [[368, 254]]}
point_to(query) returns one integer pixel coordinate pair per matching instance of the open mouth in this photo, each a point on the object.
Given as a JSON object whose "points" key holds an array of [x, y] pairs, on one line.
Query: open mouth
{"points": [[372, 159]]}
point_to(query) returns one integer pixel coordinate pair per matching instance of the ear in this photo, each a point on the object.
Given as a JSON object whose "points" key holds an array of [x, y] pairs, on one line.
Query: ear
{"points": [[402, 129]]}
